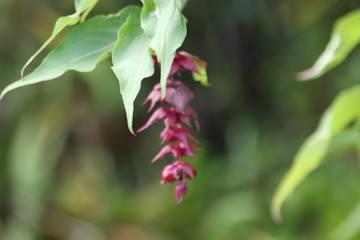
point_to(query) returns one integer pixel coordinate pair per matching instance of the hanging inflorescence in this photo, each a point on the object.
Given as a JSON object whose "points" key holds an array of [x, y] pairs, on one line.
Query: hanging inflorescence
{"points": [[177, 117]]}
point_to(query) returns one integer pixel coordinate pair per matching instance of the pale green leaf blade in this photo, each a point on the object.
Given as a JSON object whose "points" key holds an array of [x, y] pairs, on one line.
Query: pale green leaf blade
{"points": [[82, 5], [345, 37], [306, 160], [132, 63], [61, 23], [339, 115], [85, 7], [83, 47], [183, 4], [164, 24]]}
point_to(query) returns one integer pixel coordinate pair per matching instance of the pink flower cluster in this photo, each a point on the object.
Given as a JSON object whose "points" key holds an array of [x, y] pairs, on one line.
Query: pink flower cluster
{"points": [[177, 117]]}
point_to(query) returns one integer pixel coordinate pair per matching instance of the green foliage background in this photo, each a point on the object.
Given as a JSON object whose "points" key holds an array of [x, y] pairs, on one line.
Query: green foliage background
{"points": [[69, 168]]}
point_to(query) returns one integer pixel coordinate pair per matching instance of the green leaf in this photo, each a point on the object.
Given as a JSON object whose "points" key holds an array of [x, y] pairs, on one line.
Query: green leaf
{"points": [[31, 166], [345, 37], [82, 7], [357, 135], [349, 227], [85, 6], [83, 47], [202, 75], [342, 142], [339, 115], [132, 63], [164, 24]]}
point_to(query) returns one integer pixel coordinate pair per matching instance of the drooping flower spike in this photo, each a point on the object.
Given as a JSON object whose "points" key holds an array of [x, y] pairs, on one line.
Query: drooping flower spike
{"points": [[175, 113]]}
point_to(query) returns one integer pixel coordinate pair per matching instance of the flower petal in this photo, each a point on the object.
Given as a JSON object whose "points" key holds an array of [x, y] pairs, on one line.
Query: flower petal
{"points": [[180, 192]]}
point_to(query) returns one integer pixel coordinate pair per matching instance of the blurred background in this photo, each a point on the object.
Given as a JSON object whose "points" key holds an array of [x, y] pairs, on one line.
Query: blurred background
{"points": [[70, 169]]}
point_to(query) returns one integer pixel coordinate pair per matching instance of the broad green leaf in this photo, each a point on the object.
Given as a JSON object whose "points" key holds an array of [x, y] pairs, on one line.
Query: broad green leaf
{"points": [[82, 9], [83, 47], [345, 37], [132, 63], [164, 24], [339, 115]]}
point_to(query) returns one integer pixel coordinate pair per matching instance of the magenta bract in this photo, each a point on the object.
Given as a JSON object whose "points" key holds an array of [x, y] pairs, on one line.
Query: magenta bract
{"points": [[178, 170], [180, 191], [186, 61], [177, 94], [178, 137]]}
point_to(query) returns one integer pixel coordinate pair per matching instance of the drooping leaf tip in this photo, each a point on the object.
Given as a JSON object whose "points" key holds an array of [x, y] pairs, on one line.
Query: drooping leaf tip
{"points": [[206, 84], [306, 75], [132, 131], [276, 216], [129, 123], [163, 93], [5, 91], [276, 210]]}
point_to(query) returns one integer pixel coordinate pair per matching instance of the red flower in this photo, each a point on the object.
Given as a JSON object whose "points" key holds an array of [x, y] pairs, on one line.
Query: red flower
{"points": [[180, 191], [171, 116], [178, 170], [175, 117], [178, 150], [186, 61]]}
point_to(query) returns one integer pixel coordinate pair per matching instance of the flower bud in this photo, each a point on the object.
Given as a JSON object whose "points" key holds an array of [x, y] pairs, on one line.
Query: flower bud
{"points": [[180, 191]]}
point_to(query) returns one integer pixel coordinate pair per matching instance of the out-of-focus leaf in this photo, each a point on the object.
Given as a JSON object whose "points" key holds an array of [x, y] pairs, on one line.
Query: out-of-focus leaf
{"points": [[82, 9], [36, 146], [164, 24], [223, 217], [345, 37], [83, 47], [357, 134], [339, 115], [132, 63], [348, 228], [342, 142], [202, 75]]}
